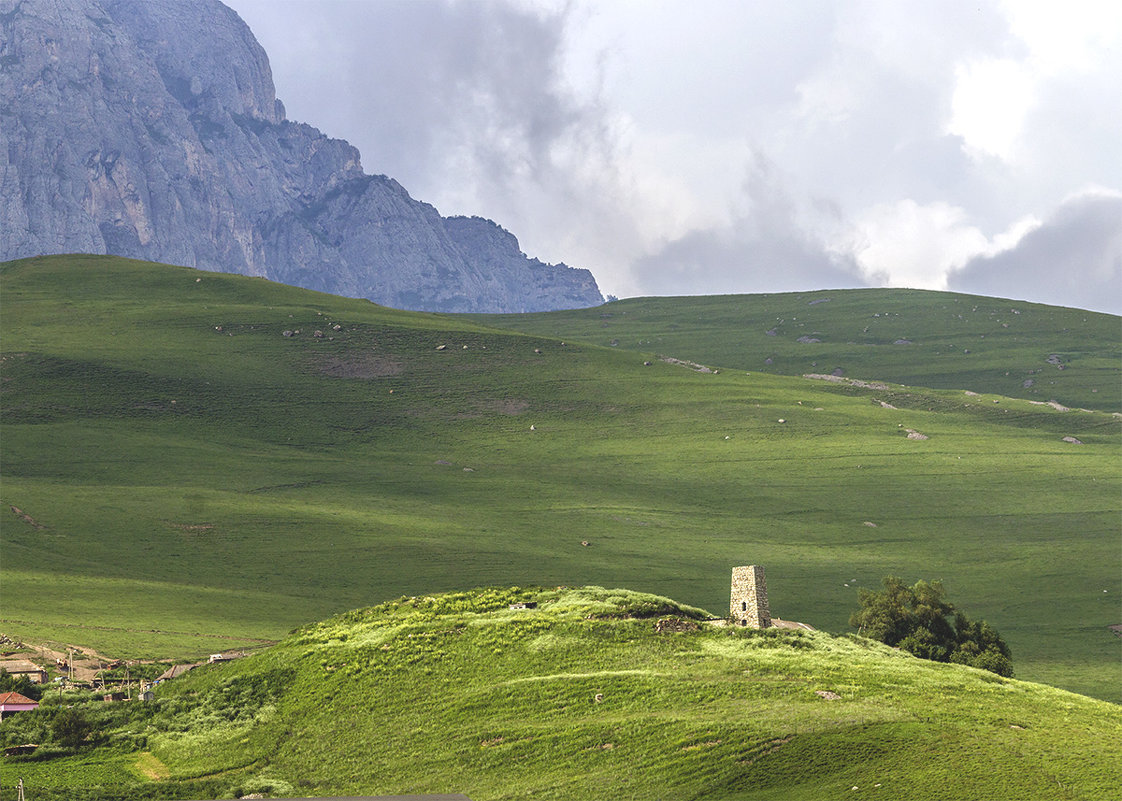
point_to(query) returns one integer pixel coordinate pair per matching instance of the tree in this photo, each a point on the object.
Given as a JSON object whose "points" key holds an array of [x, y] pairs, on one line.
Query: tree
{"points": [[918, 619], [70, 728]]}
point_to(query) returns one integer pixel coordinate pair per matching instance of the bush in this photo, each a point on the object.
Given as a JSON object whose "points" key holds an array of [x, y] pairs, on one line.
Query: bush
{"points": [[70, 728], [916, 619]]}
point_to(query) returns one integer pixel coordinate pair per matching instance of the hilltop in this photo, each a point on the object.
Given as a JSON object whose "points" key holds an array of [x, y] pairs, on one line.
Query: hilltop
{"points": [[583, 698], [944, 340], [194, 462]]}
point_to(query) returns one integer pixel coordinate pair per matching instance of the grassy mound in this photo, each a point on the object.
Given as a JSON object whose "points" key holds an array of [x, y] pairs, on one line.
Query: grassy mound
{"points": [[583, 697], [188, 467]]}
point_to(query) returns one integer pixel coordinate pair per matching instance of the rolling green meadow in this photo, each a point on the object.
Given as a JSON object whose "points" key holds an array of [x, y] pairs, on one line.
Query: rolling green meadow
{"points": [[931, 339], [180, 477], [581, 697]]}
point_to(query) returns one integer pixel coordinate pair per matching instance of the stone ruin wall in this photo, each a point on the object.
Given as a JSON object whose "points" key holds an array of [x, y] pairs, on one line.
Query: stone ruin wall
{"points": [[748, 605]]}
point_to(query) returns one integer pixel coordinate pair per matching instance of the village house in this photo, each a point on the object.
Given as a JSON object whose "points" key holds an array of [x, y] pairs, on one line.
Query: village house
{"points": [[21, 667], [10, 703]]}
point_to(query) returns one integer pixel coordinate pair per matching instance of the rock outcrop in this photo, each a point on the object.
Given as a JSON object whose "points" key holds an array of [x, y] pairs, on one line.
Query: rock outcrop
{"points": [[151, 129]]}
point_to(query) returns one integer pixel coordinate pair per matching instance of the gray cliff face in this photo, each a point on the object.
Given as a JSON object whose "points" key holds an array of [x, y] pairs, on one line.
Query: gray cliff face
{"points": [[151, 129]]}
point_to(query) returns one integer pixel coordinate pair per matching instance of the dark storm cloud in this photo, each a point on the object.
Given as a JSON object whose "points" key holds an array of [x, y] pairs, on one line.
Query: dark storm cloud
{"points": [[430, 89], [767, 247], [1073, 259]]}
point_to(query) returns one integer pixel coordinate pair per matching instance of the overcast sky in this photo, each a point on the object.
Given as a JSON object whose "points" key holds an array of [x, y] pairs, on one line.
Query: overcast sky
{"points": [[713, 146]]}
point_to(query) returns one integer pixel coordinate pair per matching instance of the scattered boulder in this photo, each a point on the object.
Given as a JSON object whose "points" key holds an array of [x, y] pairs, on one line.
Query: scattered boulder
{"points": [[288, 333], [913, 434], [441, 347], [1072, 440], [808, 340], [771, 333], [674, 624], [829, 695]]}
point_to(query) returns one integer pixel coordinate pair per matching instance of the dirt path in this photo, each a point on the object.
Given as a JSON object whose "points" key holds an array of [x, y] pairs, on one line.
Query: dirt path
{"points": [[138, 631], [89, 663]]}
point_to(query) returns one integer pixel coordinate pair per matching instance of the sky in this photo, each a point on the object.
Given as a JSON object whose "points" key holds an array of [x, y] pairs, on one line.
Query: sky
{"points": [[729, 146]]}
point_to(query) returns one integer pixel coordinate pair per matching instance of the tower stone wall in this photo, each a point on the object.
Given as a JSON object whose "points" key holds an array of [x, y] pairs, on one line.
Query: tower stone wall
{"points": [[748, 604]]}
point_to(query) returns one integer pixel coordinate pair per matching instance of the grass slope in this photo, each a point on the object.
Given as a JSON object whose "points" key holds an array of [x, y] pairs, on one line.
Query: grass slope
{"points": [[916, 337], [180, 477], [582, 699]]}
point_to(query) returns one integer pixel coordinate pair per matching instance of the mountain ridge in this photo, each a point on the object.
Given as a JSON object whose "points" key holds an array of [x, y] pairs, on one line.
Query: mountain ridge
{"points": [[166, 142]]}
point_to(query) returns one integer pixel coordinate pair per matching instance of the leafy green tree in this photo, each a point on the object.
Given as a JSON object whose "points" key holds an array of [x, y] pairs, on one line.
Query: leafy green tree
{"points": [[918, 619], [70, 728]]}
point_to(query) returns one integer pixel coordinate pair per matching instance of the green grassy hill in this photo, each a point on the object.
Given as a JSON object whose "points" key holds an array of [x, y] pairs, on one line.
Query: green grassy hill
{"points": [[179, 476], [583, 698], [907, 336]]}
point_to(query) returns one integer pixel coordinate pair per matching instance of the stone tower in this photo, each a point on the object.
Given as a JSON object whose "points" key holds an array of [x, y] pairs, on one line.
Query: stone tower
{"points": [[748, 606]]}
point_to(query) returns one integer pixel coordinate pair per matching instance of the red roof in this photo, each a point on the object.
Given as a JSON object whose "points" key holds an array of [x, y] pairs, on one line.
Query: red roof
{"points": [[15, 698]]}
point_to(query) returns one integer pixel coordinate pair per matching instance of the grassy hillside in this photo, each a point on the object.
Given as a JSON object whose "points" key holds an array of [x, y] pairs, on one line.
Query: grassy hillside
{"points": [[915, 337], [179, 476], [582, 698]]}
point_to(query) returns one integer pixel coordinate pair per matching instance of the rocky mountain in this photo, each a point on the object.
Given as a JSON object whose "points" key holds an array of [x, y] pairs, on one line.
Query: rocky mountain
{"points": [[151, 129]]}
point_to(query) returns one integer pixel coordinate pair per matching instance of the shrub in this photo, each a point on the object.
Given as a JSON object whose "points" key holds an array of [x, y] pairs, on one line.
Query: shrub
{"points": [[70, 728], [916, 619]]}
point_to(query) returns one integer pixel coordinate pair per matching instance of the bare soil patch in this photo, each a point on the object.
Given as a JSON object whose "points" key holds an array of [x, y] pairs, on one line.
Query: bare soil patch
{"points": [[853, 382], [359, 366], [508, 406], [22, 515]]}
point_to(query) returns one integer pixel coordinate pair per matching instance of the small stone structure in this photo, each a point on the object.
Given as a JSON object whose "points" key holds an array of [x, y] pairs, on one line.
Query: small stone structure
{"points": [[675, 624], [748, 604]]}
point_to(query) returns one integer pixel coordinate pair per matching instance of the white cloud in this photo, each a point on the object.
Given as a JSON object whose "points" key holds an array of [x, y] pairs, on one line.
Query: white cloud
{"points": [[906, 244], [905, 138], [771, 241], [991, 100]]}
